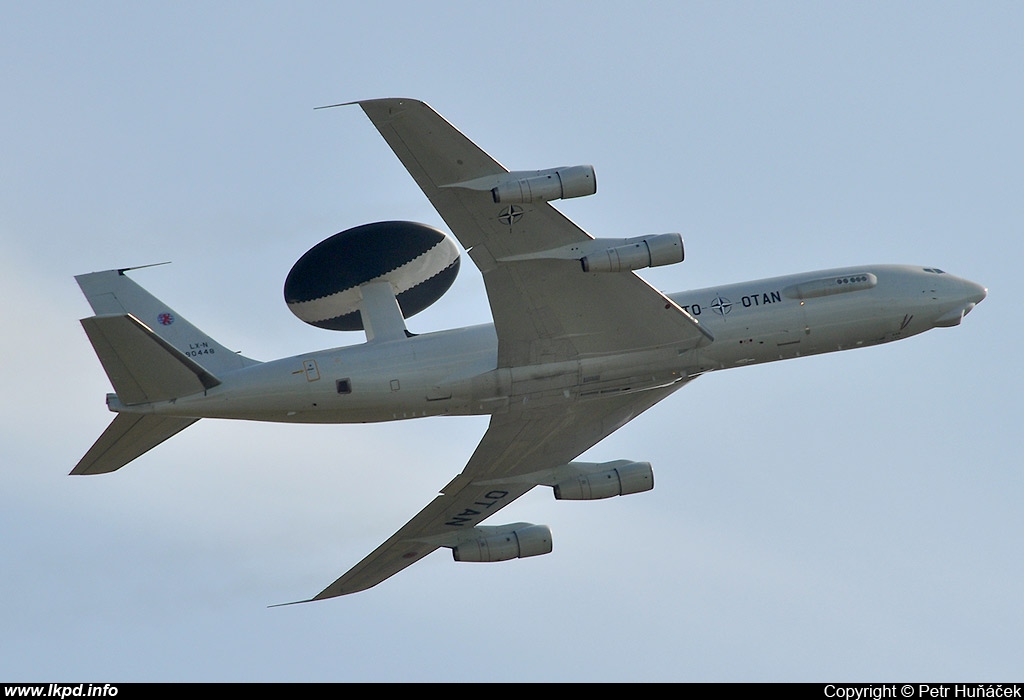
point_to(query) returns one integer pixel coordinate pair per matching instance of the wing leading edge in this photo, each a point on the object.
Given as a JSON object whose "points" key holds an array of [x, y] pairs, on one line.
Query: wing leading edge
{"points": [[546, 311]]}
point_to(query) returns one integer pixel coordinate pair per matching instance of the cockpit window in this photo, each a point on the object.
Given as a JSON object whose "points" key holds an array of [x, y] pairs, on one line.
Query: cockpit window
{"points": [[934, 270]]}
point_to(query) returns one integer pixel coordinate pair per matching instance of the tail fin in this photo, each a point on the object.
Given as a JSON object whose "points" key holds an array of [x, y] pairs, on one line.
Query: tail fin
{"points": [[150, 354], [112, 293], [129, 436]]}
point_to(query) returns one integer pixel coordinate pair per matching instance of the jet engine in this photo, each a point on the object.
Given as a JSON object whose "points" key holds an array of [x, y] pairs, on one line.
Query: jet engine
{"points": [[594, 481], [419, 261], [636, 254], [504, 542], [523, 187]]}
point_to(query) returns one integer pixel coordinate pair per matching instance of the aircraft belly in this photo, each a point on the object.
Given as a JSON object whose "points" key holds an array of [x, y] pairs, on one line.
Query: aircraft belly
{"points": [[362, 406], [433, 374], [839, 325]]}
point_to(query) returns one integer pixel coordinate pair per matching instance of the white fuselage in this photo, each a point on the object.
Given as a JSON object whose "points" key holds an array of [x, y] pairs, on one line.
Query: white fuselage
{"points": [[455, 372]]}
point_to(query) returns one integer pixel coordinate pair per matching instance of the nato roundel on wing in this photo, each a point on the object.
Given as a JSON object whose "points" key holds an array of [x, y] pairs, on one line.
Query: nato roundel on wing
{"points": [[419, 261]]}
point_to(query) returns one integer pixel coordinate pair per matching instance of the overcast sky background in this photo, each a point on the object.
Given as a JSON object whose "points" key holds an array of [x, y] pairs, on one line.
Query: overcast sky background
{"points": [[853, 516]]}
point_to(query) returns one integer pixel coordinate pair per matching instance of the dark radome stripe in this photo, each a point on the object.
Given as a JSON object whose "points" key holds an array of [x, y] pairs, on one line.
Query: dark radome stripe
{"points": [[421, 261]]}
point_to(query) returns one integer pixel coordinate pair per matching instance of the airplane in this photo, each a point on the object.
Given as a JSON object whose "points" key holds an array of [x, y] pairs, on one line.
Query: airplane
{"points": [[579, 345]]}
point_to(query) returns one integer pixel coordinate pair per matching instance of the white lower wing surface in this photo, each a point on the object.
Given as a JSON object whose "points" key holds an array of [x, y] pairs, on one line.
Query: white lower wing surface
{"points": [[569, 339], [517, 450], [544, 310]]}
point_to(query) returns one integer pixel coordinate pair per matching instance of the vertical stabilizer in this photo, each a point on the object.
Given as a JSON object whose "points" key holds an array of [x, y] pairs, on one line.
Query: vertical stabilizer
{"points": [[151, 354], [114, 293]]}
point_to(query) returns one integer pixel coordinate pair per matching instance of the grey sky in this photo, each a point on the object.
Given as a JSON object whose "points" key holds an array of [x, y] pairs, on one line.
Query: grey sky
{"points": [[854, 516]]}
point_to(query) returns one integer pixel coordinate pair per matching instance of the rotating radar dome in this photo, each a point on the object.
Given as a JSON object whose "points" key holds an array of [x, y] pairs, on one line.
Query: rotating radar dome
{"points": [[420, 261]]}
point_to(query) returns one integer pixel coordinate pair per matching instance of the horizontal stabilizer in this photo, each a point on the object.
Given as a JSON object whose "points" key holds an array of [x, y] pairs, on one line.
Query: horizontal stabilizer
{"points": [[129, 436], [142, 366]]}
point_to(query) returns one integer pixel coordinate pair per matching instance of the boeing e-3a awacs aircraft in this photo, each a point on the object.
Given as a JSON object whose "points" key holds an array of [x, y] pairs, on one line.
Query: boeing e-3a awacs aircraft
{"points": [[580, 345]]}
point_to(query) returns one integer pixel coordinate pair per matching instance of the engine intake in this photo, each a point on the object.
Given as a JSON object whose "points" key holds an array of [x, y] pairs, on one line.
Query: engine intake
{"points": [[503, 542], [605, 480], [523, 187], [636, 254]]}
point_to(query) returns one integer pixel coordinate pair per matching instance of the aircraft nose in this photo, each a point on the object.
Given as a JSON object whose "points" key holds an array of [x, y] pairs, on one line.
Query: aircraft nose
{"points": [[975, 292], [964, 295]]}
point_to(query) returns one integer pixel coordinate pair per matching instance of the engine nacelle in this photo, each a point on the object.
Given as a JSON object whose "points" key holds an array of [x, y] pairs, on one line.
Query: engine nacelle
{"points": [[523, 187], [636, 254], [596, 481], [504, 542]]}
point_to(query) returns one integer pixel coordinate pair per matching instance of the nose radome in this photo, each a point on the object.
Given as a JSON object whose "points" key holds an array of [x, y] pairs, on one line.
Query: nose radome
{"points": [[965, 295], [976, 291], [975, 294]]}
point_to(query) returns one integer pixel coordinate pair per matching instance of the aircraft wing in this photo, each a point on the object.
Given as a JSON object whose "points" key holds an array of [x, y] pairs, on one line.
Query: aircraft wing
{"points": [[551, 319], [519, 451], [544, 310]]}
